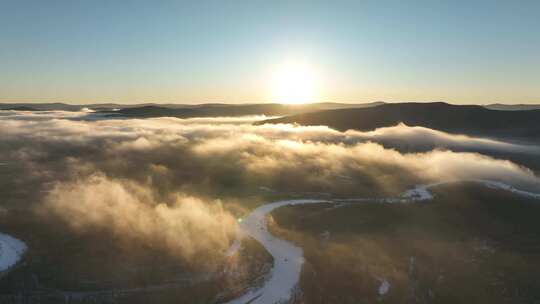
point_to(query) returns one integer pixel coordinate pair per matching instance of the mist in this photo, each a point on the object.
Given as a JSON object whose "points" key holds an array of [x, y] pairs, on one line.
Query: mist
{"points": [[180, 184], [183, 225]]}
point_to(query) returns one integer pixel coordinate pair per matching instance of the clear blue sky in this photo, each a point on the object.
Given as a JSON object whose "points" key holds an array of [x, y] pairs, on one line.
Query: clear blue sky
{"points": [[224, 51]]}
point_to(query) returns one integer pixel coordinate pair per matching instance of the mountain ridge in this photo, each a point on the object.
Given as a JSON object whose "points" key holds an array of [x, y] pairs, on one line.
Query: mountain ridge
{"points": [[465, 119]]}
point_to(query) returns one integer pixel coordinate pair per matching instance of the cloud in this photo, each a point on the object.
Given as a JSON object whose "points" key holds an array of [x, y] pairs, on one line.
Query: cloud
{"points": [[421, 138], [183, 225], [170, 182], [227, 151]]}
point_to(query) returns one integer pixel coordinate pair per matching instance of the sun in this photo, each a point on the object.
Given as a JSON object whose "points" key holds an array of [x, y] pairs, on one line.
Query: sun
{"points": [[294, 83]]}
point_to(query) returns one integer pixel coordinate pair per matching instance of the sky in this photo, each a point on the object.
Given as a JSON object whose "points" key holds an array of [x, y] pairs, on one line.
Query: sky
{"points": [[269, 51]]}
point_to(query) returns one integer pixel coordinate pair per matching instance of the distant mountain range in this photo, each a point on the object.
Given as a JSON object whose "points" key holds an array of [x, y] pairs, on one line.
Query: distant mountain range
{"points": [[465, 119], [209, 110], [21, 108], [185, 111], [257, 108], [40, 106]]}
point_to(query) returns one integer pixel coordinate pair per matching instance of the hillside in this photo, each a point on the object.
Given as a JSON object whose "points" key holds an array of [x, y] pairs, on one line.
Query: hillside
{"points": [[466, 119]]}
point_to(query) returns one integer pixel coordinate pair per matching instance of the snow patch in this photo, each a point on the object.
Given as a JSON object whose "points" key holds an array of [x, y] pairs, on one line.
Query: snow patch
{"points": [[384, 288], [502, 186], [266, 189], [11, 251]]}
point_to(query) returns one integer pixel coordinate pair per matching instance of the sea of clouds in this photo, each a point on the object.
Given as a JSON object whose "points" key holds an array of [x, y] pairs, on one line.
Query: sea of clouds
{"points": [[181, 183]]}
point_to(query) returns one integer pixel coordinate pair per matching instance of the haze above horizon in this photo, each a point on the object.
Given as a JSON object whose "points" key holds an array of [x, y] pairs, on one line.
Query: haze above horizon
{"points": [[279, 51]]}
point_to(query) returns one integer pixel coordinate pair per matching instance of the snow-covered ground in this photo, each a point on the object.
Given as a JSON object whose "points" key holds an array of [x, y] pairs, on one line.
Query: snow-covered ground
{"points": [[288, 258], [11, 251]]}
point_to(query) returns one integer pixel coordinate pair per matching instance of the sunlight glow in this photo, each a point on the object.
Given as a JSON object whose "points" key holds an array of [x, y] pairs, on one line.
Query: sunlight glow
{"points": [[294, 83]]}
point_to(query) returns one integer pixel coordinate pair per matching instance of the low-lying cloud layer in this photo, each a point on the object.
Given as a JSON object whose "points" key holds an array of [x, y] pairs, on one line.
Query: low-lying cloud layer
{"points": [[130, 210], [159, 180]]}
